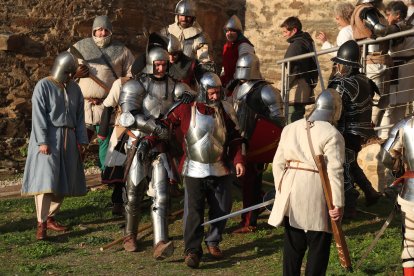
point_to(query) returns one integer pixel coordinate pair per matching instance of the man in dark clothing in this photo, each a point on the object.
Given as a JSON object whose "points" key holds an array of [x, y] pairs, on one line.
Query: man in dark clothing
{"points": [[303, 74], [356, 91]]}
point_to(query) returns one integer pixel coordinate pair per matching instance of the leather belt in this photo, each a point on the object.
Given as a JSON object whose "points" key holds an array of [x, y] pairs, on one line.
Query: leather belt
{"points": [[299, 166], [95, 101]]}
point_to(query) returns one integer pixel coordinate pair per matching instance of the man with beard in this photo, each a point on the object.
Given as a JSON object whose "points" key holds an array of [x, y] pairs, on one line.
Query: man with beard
{"points": [[211, 143], [103, 61], [193, 39]]}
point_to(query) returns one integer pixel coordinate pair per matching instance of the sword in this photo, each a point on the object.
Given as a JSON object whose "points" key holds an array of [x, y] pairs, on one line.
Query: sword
{"points": [[251, 208]]}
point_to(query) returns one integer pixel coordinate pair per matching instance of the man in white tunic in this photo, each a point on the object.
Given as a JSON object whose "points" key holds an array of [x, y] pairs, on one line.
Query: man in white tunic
{"points": [[300, 203], [103, 61], [54, 167]]}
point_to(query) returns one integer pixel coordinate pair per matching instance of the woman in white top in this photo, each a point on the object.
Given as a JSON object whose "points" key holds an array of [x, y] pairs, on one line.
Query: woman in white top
{"points": [[343, 12]]}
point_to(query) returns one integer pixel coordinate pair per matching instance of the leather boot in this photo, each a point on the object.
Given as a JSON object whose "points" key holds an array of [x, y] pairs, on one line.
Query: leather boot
{"points": [[371, 196], [163, 250], [351, 197], [41, 231], [130, 243], [54, 226]]}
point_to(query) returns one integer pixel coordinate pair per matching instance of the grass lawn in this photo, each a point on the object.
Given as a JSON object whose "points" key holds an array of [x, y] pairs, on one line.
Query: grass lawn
{"points": [[91, 225]]}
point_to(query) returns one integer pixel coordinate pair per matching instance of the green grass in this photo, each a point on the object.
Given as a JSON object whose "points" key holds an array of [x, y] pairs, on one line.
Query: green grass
{"points": [[91, 225]]}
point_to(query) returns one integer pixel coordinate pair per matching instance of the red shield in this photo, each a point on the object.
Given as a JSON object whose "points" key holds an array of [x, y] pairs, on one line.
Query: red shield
{"points": [[264, 142]]}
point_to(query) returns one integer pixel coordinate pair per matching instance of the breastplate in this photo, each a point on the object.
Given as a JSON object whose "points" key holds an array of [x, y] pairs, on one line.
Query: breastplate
{"points": [[188, 48], [205, 140], [408, 139], [159, 97]]}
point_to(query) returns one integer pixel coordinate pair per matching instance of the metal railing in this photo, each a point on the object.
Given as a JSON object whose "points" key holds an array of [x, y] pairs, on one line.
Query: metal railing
{"points": [[286, 64]]}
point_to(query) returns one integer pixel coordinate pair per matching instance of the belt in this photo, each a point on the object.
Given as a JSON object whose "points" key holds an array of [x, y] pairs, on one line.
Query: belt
{"points": [[299, 166], [95, 101], [65, 137]]}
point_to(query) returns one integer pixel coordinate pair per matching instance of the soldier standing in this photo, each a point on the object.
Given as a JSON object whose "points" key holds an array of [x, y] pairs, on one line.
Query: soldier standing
{"points": [[300, 202], [401, 143], [356, 91], [303, 75], [259, 112], [211, 142], [236, 45], [103, 61], [143, 102], [193, 39], [54, 167]]}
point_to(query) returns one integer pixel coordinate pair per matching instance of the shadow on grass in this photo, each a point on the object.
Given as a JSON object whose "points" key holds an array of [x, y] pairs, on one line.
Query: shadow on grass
{"points": [[264, 246]]}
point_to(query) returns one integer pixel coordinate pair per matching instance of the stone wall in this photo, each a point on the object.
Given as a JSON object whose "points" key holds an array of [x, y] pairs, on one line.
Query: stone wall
{"points": [[33, 32]]}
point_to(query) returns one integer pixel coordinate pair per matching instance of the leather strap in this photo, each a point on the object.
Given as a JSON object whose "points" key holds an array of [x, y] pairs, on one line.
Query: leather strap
{"points": [[308, 127], [107, 62], [301, 169]]}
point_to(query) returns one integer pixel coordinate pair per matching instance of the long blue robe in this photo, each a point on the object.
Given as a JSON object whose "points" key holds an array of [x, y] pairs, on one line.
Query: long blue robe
{"points": [[57, 121]]}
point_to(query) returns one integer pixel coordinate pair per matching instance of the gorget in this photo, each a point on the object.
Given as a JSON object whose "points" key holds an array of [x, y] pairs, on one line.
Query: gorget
{"points": [[92, 54]]}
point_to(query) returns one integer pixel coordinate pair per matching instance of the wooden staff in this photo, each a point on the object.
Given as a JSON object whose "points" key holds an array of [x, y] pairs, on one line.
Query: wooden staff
{"points": [[148, 226], [78, 55], [337, 232]]}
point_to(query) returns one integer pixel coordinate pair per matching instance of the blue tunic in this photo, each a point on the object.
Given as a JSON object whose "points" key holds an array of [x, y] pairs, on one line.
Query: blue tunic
{"points": [[57, 121]]}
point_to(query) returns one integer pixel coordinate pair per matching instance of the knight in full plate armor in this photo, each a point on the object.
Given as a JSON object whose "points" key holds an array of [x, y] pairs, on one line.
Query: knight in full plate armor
{"points": [[401, 142], [356, 91], [368, 22], [258, 106], [143, 102], [193, 39], [103, 60], [211, 142]]}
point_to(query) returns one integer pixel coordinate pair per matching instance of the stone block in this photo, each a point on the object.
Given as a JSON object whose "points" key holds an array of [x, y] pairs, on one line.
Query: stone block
{"points": [[375, 171]]}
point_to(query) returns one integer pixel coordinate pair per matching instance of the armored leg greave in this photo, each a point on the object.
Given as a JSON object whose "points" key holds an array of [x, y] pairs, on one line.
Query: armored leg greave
{"points": [[133, 205], [159, 208]]}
